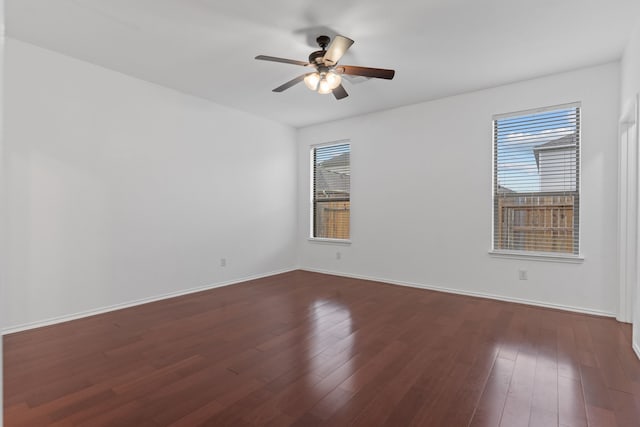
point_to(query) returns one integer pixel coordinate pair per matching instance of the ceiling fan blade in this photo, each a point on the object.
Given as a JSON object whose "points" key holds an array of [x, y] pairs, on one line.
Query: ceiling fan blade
{"points": [[283, 60], [338, 47], [339, 92], [353, 70], [290, 83]]}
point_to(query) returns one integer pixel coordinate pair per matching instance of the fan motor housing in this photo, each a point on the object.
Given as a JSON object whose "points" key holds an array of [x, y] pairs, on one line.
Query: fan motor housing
{"points": [[316, 57]]}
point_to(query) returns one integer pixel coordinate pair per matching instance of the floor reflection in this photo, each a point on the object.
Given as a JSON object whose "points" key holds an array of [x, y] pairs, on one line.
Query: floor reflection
{"points": [[331, 342]]}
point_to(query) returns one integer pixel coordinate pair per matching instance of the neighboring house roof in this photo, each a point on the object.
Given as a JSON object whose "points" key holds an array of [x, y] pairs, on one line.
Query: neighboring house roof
{"points": [[339, 163], [332, 177], [567, 141], [503, 189]]}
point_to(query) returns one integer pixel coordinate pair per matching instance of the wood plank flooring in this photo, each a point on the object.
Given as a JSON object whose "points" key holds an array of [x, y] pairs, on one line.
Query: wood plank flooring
{"points": [[306, 349]]}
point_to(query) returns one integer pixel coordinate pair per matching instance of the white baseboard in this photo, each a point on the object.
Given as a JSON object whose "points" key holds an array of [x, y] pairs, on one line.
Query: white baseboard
{"points": [[468, 293], [100, 310], [636, 349]]}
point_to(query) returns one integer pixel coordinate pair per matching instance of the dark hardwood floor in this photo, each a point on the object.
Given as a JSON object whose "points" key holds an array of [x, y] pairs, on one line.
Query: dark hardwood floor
{"points": [[308, 349]]}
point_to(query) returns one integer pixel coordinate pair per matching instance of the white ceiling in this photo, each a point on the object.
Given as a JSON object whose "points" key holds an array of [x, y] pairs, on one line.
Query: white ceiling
{"points": [[437, 47]]}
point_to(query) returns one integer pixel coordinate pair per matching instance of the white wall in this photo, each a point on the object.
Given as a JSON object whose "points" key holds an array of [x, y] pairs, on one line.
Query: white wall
{"points": [[421, 194], [630, 88], [121, 190]]}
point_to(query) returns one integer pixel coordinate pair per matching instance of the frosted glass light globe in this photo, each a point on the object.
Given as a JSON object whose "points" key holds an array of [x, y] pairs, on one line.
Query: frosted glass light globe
{"points": [[312, 80]]}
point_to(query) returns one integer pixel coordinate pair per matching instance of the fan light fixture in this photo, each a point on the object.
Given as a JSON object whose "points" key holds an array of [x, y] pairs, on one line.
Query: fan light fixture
{"points": [[324, 82], [326, 76]]}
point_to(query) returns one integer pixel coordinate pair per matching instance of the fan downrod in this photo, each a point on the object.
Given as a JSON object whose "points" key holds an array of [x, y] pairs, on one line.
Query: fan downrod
{"points": [[317, 56]]}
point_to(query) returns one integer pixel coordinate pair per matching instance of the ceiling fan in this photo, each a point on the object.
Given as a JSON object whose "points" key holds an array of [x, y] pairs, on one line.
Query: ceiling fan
{"points": [[327, 77]]}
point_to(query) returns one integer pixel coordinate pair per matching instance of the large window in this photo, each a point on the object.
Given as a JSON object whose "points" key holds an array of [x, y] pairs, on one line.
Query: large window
{"points": [[536, 182], [331, 201]]}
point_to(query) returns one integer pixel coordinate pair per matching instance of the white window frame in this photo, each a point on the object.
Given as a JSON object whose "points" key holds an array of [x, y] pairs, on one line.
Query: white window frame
{"points": [[311, 237], [535, 255]]}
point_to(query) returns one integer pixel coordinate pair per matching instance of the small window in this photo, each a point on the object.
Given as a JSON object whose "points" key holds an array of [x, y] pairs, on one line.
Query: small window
{"points": [[536, 181], [331, 199]]}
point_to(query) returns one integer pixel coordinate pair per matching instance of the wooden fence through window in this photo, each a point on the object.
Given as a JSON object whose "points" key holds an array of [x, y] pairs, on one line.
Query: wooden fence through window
{"points": [[332, 219], [535, 223]]}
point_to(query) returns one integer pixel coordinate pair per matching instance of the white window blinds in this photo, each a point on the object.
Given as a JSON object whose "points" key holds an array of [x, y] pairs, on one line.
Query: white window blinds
{"points": [[536, 192], [331, 197]]}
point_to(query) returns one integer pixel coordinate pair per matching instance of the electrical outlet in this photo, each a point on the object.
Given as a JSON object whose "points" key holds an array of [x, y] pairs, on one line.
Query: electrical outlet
{"points": [[522, 274], [338, 255], [223, 262]]}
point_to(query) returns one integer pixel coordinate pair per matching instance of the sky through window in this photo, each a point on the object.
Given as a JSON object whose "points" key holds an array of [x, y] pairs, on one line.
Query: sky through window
{"points": [[517, 138]]}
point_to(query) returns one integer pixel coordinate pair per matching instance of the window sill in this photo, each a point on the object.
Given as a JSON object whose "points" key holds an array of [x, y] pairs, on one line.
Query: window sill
{"points": [[329, 241], [538, 256]]}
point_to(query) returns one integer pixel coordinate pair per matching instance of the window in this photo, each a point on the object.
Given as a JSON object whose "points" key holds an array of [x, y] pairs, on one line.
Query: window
{"points": [[331, 191], [536, 181]]}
